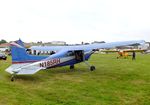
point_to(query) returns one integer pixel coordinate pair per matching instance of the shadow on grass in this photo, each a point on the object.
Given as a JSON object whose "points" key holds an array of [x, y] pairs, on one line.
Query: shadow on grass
{"points": [[64, 70], [28, 77], [43, 74], [25, 78]]}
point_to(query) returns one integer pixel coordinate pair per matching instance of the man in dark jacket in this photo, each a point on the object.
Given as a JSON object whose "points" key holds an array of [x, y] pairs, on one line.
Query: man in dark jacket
{"points": [[133, 55]]}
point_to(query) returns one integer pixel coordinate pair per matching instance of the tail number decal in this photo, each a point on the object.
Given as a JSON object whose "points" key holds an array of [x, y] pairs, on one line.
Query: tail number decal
{"points": [[50, 63]]}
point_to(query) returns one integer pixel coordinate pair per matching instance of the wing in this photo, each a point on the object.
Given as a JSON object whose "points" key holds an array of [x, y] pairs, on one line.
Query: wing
{"points": [[25, 68], [88, 47], [112, 44]]}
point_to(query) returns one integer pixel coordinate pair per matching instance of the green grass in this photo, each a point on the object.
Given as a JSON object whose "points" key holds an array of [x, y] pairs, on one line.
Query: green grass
{"points": [[115, 82]]}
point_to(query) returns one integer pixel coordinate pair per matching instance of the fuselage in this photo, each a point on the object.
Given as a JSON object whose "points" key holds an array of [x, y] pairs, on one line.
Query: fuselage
{"points": [[62, 59]]}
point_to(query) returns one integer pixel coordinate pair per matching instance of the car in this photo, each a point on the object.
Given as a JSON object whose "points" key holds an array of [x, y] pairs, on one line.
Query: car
{"points": [[3, 56]]}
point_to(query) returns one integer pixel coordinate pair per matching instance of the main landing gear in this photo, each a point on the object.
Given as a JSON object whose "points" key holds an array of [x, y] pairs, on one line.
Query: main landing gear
{"points": [[92, 68]]}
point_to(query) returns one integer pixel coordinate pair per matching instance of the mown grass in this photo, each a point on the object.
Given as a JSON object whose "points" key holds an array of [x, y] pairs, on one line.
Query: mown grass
{"points": [[115, 82]]}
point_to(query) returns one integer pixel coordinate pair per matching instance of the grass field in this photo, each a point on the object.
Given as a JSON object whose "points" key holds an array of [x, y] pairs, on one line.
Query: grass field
{"points": [[115, 82]]}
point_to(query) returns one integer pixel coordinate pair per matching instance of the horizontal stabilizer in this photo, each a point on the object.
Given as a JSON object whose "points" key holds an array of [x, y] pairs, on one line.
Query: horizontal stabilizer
{"points": [[23, 69]]}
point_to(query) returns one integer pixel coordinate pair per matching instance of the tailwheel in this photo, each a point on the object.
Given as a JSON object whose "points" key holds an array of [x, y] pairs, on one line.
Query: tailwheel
{"points": [[72, 67], [12, 78], [92, 68]]}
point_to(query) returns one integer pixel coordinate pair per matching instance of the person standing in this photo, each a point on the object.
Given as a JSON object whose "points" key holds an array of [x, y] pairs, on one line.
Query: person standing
{"points": [[133, 55]]}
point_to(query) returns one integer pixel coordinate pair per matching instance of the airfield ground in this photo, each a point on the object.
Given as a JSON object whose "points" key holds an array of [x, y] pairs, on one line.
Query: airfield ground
{"points": [[115, 82]]}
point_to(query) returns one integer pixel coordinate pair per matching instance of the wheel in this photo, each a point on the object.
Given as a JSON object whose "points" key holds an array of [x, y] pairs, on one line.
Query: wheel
{"points": [[12, 79], [5, 58], [72, 67], [92, 68]]}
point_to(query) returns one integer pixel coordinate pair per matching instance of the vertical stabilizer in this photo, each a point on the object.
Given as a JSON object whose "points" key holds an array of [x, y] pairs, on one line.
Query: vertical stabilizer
{"points": [[19, 54]]}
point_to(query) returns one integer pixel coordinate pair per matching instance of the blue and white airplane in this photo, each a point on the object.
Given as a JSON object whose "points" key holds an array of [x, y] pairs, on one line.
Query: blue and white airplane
{"points": [[24, 63]]}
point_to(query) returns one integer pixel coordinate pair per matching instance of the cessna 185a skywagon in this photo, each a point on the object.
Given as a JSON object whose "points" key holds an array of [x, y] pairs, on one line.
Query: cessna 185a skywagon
{"points": [[23, 63]]}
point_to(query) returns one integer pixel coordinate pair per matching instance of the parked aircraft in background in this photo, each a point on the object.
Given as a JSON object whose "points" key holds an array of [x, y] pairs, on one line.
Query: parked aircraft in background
{"points": [[23, 63], [147, 52], [3, 56], [124, 53]]}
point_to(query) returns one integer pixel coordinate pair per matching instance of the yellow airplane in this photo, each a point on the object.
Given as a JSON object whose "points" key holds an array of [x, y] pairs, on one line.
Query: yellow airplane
{"points": [[123, 53]]}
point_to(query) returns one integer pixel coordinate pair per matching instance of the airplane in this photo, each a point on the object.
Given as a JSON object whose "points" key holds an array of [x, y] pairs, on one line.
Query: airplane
{"points": [[124, 53], [147, 52], [24, 63]]}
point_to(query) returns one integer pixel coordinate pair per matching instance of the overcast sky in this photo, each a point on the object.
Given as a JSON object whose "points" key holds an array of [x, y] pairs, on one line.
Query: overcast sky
{"points": [[74, 21]]}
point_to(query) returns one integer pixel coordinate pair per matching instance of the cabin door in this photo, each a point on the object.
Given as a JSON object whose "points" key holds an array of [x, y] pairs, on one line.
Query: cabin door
{"points": [[79, 55]]}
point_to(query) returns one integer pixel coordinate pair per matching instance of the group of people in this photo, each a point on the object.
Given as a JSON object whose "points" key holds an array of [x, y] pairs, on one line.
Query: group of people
{"points": [[34, 52]]}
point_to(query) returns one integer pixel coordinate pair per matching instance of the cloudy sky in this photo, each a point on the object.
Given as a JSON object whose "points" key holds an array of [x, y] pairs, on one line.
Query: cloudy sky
{"points": [[74, 21]]}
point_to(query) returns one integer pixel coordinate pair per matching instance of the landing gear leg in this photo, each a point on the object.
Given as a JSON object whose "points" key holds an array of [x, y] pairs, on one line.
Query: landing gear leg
{"points": [[92, 68]]}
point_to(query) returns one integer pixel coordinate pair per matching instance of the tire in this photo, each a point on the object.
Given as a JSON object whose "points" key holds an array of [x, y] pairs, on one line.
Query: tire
{"points": [[92, 68], [4, 58], [12, 79]]}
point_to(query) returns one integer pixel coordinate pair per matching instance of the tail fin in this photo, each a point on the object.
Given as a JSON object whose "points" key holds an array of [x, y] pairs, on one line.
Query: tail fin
{"points": [[19, 54]]}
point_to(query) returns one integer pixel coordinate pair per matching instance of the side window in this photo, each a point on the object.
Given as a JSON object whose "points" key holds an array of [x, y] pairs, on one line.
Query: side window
{"points": [[70, 53]]}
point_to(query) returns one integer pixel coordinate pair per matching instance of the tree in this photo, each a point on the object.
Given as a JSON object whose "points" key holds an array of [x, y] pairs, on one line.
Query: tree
{"points": [[3, 41]]}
